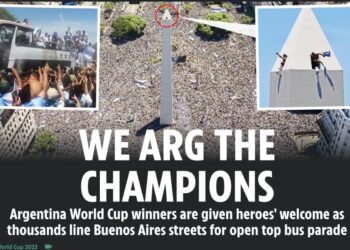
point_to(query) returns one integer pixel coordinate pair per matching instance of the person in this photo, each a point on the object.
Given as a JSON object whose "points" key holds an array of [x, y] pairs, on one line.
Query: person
{"points": [[68, 42], [76, 37], [34, 93], [283, 62], [84, 38], [80, 53], [47, 40], [81, 86], [66, 37], [7, 82], [85, 96], [39, 39], [54, 40], [76, 101], [315, 61], [46, 87], [69, 33], [55, 96], [60, 44], [25, 22]]}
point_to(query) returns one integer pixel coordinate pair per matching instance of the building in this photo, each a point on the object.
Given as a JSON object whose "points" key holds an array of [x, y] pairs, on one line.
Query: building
{"points": [[17, 130], [335, 134], [297, 84]]}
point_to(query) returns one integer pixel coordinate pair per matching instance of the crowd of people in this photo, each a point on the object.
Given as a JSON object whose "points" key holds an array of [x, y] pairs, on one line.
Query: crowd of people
{"points": [[49, 87], [78, 41]]}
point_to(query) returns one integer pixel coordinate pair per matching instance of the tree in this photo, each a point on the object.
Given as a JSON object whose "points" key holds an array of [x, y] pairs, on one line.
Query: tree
{"points": [[227, 5], [45, 142], [128, 26], [6, 15], [211, 32], [108, 8], [187, 7], [247, 19]]}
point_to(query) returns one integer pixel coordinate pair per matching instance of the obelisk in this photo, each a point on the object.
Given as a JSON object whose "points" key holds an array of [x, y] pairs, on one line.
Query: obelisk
{"points": [[298, 85], [166, 93]]}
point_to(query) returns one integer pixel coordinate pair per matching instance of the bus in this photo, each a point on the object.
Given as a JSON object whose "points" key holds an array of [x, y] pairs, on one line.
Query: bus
{"points": [[19, 50]]}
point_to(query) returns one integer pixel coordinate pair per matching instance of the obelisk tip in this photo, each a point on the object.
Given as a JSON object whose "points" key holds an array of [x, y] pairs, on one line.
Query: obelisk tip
{"points": [[166, 15]]}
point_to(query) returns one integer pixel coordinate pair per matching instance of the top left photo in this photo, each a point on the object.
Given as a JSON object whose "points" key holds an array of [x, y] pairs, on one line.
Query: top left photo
{"points": [[49, 57]]}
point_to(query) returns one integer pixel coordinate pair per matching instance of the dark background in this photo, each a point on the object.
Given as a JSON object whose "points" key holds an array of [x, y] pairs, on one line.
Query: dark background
{"points": [[308, 185]]}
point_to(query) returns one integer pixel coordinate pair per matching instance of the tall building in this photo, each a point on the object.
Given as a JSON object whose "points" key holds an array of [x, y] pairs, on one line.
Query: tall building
{"points": [[335, 134], [298, 84], [17, 130]]}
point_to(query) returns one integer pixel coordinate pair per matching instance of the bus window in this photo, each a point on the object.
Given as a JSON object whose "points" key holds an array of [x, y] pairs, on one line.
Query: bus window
{"points": [[6, 35], [24, 37]]}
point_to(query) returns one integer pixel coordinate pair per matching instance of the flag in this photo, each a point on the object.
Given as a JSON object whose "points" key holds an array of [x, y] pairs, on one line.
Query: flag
{"points": [[327, 53], [88, 53]]}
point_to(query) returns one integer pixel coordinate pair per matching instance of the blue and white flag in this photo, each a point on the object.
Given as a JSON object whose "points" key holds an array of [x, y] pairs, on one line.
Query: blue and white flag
{"points": [[88, 53], [327, 53]]}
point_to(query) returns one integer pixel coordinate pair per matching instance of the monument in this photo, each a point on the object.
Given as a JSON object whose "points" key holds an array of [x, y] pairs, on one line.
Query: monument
{"points": [[297, 84], [166, 93]]}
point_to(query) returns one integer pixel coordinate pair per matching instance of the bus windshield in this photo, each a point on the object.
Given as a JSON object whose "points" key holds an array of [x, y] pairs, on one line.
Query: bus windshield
{"points": [[6, 35]]}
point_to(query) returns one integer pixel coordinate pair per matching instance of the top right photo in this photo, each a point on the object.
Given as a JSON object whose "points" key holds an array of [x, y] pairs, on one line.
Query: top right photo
{"points": [[303, 58]]}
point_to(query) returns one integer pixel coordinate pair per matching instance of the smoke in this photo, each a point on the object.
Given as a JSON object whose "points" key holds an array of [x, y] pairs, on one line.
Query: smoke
{"points": [[61, 18]]}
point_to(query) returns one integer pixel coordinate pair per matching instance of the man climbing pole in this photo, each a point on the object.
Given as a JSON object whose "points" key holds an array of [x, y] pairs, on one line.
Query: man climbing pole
{"points": [[283, 62]]}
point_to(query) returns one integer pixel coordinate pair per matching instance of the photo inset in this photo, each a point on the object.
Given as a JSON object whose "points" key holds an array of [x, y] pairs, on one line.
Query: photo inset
{"points": [[48, 57], [302, 58]]}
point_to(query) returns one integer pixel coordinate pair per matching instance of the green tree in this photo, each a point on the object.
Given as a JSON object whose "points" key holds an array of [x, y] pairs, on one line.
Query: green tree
{"points": [[211, 32], [109, 6], [187, 7], [128, 26], [227, 5], [247, 20], [45, 142], [108, 9], [6, 15]]}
